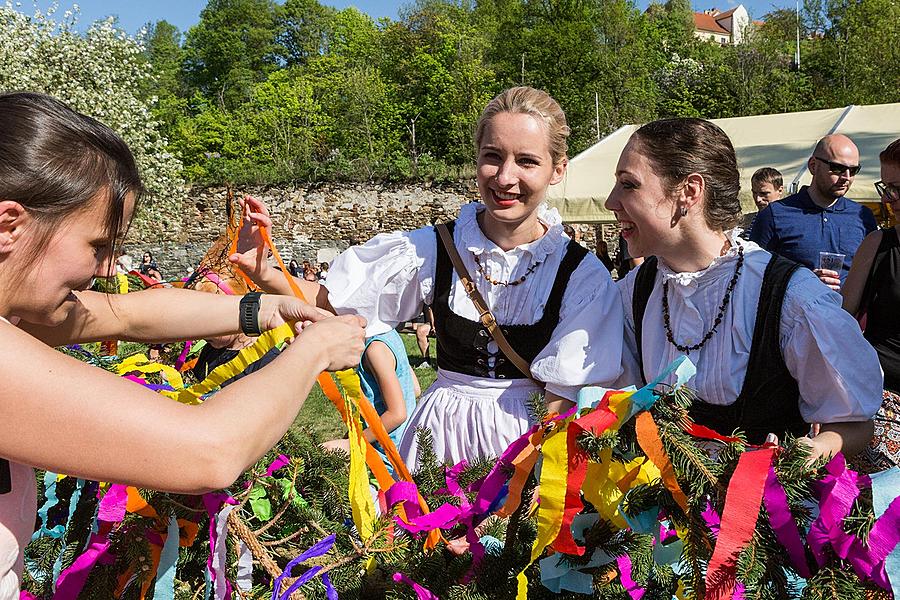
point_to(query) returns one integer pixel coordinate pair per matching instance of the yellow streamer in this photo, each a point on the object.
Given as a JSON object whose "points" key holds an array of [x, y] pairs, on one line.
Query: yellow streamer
{"points": [[122, 281], [603, 486], [620, 404], [554, 473], [360, 497], [361, 503], [222, 373], [142, 364]]}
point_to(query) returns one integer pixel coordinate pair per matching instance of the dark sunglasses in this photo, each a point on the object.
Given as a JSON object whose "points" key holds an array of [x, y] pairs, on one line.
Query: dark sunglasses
{"points": [[837, 168], [889, 192]]}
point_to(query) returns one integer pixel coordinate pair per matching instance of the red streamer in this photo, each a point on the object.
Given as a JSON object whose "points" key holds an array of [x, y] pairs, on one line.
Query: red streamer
{"points": [[742, 504]]}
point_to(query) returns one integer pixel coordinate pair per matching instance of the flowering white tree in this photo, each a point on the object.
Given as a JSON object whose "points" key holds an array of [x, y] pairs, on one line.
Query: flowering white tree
{"points": [[99, 73]]}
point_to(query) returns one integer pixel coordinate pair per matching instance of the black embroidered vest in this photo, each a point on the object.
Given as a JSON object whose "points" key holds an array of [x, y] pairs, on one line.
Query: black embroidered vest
{"points": [[769, 398], [463, 344]]}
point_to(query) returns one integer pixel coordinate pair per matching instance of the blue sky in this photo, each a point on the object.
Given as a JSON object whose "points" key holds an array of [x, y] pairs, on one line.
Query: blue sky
{"points": [[133, 14]]}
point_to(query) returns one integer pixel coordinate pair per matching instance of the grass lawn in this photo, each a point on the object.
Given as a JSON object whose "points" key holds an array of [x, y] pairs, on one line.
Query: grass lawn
{"points": [[318, 414]]}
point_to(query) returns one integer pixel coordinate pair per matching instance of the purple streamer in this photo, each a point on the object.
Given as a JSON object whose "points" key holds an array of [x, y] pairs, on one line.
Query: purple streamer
{"points": [[330, 592], [281, 461], [712, 519], [422, 593], [317, 549]]}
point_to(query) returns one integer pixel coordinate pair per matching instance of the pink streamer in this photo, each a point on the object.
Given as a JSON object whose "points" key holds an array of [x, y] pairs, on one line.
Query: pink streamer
{"points": [[421, 592], [837, 492], [184, 354], [634, 590], [110, 511], [407, 493], [712, 519], [72, 580], [213, 503], [214, 277], [782, 521], [281, 461]]}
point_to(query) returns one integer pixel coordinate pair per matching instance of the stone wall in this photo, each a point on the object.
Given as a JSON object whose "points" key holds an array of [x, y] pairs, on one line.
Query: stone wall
{"points": [[310, 222]]}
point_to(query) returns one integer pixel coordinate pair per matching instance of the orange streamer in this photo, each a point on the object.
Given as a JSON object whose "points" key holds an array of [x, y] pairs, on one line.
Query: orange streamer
{"points": [[648, 438], [368, 412]]}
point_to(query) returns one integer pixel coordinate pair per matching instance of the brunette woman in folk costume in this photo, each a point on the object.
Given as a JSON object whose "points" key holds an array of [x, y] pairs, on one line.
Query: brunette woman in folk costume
{"points": [[555, 302], [68, 189], [774, 351]]}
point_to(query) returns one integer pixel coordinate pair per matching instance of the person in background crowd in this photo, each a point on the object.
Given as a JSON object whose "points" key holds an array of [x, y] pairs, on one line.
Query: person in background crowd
{"points": [[774, 351], [294, 268], [819, 218], [322, 275], [766, 185], [556, 302], [424, 327], [309, 274], [872, 294], [148, 267], [59, 228], [124, 264], [603, 255], [624, 261], [574, 234]]}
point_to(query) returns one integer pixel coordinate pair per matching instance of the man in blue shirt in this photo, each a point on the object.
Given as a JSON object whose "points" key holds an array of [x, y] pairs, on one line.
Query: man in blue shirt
{"points": [[819, 218]]}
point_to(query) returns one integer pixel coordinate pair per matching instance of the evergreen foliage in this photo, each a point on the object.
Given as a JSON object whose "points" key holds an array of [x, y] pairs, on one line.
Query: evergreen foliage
{"points": [[307, 499]]}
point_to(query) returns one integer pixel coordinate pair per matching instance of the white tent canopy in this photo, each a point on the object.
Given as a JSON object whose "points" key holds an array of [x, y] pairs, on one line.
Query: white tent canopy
{"points": [[784, 141]]}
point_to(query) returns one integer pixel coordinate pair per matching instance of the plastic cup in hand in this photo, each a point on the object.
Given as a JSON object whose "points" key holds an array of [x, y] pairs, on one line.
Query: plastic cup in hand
{"points": [[831, 261]]}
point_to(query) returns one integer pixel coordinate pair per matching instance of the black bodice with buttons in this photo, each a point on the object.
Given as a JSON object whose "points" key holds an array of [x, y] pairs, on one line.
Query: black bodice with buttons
{"points": [[463, 344]]}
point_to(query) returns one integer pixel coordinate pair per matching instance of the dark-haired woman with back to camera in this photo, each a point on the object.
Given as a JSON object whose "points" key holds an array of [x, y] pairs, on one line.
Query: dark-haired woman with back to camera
{"points": [[873, 289], [774, 350]]}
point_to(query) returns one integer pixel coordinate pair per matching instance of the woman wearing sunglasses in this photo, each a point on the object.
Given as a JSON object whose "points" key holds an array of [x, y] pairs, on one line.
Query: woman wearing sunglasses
{"points": [[873, 291]]}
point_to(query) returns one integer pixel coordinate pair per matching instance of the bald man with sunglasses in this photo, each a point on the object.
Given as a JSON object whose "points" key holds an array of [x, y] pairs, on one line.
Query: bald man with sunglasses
{"points": [[819, 218]]}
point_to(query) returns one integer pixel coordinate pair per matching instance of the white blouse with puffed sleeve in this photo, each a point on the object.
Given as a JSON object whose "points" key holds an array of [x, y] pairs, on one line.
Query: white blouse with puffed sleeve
{"points": [[389, 279], [837, 370]]}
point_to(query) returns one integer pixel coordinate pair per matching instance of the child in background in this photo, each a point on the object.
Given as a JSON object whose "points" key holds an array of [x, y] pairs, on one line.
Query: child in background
{"points": [[387, 380]]}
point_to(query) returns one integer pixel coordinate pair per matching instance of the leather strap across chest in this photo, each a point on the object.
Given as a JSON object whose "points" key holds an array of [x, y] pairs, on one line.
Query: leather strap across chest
{"points": [[463, 345]]}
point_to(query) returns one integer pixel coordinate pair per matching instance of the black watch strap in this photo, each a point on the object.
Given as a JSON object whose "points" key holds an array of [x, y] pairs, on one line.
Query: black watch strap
{"points": [[5, 477], [249, 313]]}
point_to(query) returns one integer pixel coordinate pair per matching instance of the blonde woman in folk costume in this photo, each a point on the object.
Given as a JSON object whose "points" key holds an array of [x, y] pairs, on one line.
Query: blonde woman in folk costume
{"points": [[774, 351], [555, 301]]}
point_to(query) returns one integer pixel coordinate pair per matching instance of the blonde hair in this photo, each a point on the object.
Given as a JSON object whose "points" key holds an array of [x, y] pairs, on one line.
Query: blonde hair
{"points": [[537, 103]]}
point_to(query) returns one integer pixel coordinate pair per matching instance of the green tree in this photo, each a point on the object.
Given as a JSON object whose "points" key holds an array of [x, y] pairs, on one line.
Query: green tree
{"points": [[231, 48], [435, 57], [305, 28], [100, 73], [856, 60], [162, 41]]}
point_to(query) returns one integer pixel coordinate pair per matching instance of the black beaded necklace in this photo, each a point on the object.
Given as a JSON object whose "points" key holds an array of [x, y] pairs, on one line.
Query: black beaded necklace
{"points": [[665, 302], [507, 283]]}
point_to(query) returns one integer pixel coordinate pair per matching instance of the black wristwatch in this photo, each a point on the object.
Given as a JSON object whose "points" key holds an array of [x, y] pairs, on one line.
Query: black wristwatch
{"points": [[249, 313]]}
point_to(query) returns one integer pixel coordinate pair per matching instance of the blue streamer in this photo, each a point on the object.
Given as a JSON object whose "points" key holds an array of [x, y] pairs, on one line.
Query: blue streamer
{"points": [[643, 399], [885, 486], [51, 501], [164, 588], [317, 549], [329, 589]]}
